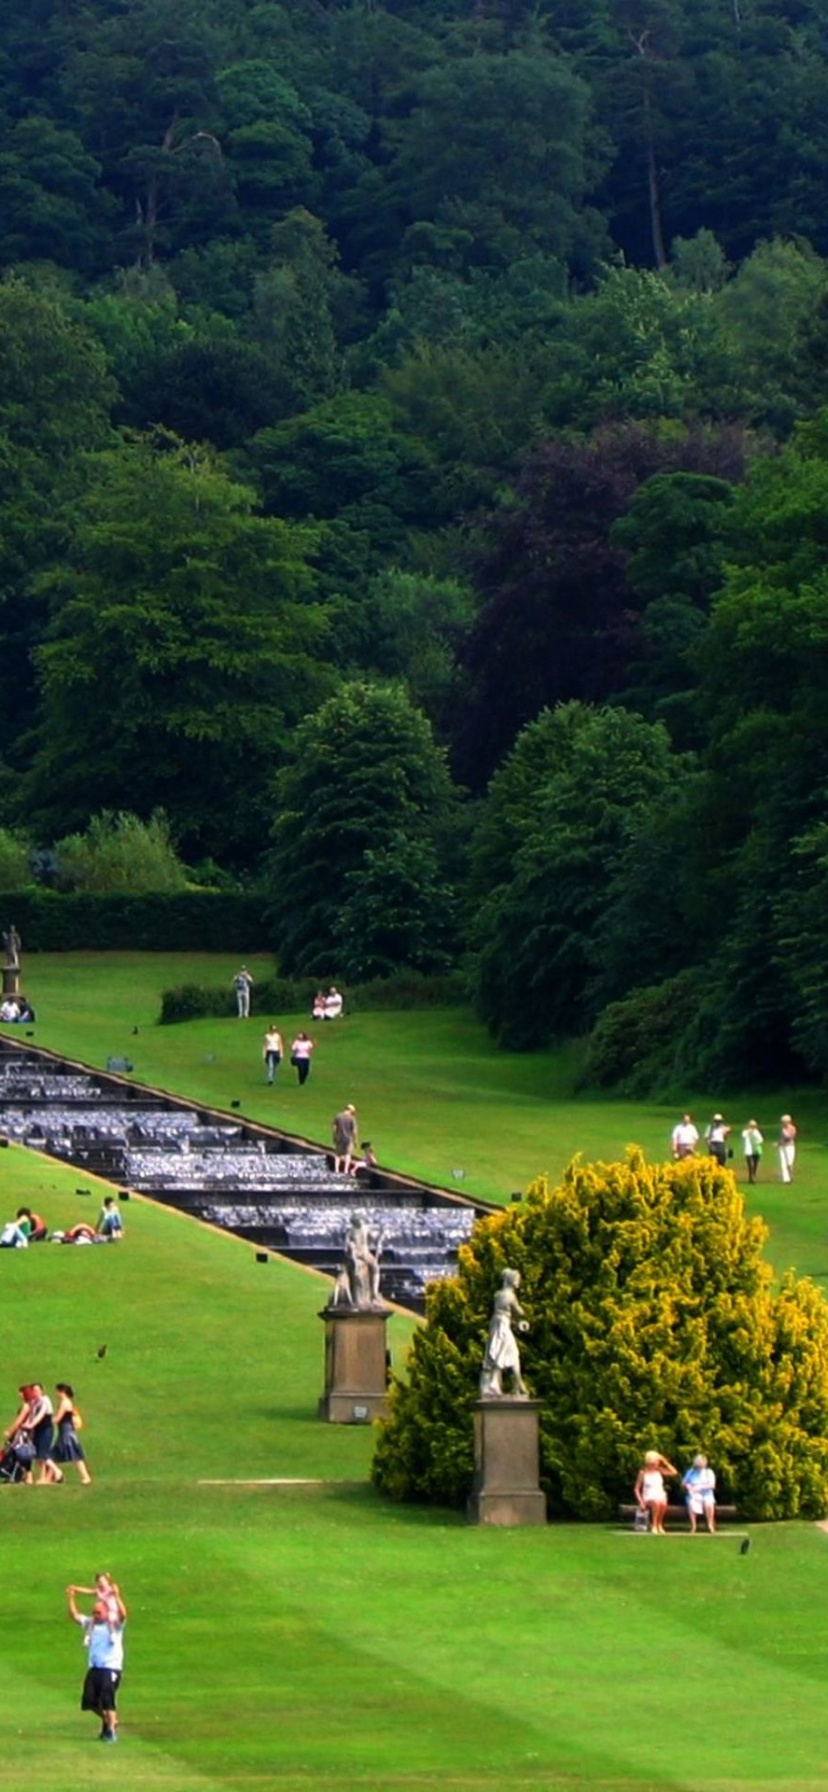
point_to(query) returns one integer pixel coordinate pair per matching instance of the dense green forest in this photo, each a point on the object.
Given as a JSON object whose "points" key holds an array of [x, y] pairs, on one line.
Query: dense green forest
{"points": [[415, 489]]}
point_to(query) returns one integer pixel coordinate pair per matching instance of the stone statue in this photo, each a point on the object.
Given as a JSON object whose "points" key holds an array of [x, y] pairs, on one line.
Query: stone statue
{"points": [[12, 943], [362, 1264], [501, 1345]]}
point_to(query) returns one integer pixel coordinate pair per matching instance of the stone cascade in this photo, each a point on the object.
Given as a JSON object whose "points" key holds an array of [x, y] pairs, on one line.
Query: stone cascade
{"points": [[276, 1191]]}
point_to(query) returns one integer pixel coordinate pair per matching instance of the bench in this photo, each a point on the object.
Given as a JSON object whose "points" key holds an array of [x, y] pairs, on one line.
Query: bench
{"points": [[724, 1514]]}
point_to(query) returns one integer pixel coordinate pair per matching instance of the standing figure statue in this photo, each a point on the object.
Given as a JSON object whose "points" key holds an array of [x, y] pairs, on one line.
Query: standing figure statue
{"points": [[362, 1264], [12, 943], [501, 1345]]}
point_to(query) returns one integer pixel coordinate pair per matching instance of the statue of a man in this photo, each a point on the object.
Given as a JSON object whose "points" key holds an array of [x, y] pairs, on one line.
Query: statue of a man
{"points": [[502, 1352], [12, 943], [362, 1263]]}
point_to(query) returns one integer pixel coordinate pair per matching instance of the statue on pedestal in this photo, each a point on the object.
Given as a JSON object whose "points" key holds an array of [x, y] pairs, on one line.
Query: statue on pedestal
{"points": [[12, 943], [502, 1354], [357, 1284]]}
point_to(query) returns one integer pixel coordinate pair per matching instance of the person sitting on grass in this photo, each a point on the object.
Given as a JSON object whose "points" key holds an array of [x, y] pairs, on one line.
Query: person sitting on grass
{"points": [[110, 1223], [15, 1234], [37, 1227]]}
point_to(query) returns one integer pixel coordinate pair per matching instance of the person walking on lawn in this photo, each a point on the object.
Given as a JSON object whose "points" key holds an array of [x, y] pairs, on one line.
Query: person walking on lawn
{"points": [[103, 1636]]}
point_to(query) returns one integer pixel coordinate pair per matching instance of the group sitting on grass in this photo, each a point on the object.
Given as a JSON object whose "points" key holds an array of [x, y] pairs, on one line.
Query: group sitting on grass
{"points": [[29, 1228], [16, 1010], [327, 1007]]}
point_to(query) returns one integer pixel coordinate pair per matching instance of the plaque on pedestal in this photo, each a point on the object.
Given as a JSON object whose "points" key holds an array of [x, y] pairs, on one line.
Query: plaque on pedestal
{"points": [[506, 1464], [355, 1365]]}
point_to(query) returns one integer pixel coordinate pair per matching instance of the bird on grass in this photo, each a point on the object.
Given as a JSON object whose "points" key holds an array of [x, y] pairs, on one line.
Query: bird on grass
{"points": [[744, 1546], [100, 1354]]}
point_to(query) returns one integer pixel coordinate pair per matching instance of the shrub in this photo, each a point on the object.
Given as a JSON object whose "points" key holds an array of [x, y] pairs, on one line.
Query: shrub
{"points": [[653, 1324], [191, 921], [15, 861], [194, 1001], [635, 1046], [120, 852], [294, 995]]}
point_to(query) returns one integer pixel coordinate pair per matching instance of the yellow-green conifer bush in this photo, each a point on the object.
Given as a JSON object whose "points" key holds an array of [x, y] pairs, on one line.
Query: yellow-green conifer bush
{"points": [[654, 1323]]}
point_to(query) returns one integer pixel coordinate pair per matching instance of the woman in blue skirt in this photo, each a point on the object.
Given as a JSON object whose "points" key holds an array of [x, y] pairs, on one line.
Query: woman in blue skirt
{"points": [[67, 1446]]}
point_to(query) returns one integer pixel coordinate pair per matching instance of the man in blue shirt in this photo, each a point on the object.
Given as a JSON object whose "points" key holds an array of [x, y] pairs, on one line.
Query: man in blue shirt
{"points": [[103, 1636]]}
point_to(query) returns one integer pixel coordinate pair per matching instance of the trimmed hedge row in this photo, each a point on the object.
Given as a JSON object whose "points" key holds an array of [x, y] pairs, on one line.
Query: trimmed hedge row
{"points": [[287, 995], [186, 921]]}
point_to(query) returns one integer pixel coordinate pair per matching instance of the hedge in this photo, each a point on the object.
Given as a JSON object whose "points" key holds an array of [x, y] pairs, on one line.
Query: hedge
{"points": [[184, 921], [291, 995]]}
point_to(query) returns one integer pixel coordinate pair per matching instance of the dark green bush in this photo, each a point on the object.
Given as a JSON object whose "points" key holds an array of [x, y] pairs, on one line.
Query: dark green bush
{"points": [[635, 1046], [294, 995], [186, 921], [195, 1001]]}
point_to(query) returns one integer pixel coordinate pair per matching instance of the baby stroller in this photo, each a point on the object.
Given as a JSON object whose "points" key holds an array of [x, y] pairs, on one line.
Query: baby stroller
{"points": [[16, 1457]]}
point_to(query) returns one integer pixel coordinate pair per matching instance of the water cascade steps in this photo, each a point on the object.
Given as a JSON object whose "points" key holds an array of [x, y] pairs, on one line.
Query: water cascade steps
{"points": [[271, 1187]]}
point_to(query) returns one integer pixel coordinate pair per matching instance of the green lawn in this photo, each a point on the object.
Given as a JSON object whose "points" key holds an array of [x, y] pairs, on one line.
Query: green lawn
{"points": [[298, 1636]]}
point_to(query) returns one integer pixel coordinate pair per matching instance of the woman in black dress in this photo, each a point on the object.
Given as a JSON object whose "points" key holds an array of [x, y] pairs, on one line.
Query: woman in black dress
{"points": [[41, 1428], [67, 1446]]}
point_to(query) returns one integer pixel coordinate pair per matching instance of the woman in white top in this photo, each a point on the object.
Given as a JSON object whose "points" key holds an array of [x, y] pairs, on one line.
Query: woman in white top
{"points": [[649, 1488], [787, 1148]]}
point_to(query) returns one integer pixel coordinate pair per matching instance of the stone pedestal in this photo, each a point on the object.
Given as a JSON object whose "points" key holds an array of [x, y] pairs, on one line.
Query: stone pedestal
{"points": [[355, 1365], [11, 980], [505, 1488]]}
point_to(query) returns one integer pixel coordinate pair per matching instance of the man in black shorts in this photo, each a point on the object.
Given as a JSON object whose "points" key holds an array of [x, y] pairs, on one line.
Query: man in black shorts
{"points": [[103, 1636]]}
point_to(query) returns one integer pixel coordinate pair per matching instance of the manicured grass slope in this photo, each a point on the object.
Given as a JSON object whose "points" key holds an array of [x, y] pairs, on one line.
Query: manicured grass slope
{"points": [[299, 1636], [312, 1636]]}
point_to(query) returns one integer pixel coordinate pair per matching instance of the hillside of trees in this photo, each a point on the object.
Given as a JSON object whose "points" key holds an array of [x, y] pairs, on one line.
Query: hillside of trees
{"points": [[414, 435]]}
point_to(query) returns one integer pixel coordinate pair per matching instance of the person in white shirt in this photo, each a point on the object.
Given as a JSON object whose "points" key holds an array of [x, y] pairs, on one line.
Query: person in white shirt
{"points": [[684, 1137], [103, 1637], [752, 1142], [242, 984], [787, 1148], [699, 1485], [717, 1135], [272, 1050]]}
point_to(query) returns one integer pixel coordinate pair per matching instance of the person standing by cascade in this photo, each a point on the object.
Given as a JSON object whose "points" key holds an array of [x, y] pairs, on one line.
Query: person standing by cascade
{"points": [[301, 1052], [243, 984], [684, 1138], [344, 1133], [103, 1636], [752, 1142], [716, 1136], [272, 1051], [787, 1148]]}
